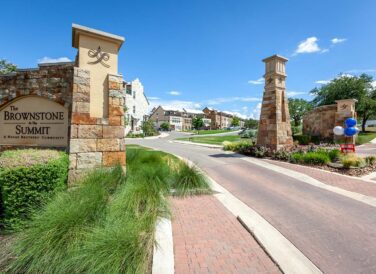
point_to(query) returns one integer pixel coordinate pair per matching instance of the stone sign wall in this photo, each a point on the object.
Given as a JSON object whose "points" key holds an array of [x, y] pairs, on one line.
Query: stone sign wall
{"points": [[321, 120], [31, 93], [76, 106]]}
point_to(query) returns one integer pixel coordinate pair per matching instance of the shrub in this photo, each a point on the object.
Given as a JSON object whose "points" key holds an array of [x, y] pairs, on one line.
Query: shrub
{"points": [[28, 179], [334, 155], [352, 160], [296, 130], [255, 151], [302, 139], [281, 155], [311, 158], [370, 160], [248, 133], [235, 146], [61, 227]]}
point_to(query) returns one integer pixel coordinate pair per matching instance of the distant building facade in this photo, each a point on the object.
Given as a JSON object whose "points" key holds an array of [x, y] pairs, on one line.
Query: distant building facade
{"points": [[137, 106], [220, 119]]}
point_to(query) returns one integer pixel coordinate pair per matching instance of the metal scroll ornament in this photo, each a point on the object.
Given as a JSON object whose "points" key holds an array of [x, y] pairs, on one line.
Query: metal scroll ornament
{"points": [[101, 57]]}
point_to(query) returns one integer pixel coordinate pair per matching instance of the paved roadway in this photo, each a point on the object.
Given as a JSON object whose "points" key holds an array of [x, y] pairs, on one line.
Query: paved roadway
{"points": [[336, 233]]}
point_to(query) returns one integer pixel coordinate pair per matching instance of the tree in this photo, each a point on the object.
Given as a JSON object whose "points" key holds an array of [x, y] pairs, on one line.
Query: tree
{"points": [[235, 121], [297, 108], [6, 67], [165, 126], [349, 87], [148, 128], [197, 123], [251, 123]]}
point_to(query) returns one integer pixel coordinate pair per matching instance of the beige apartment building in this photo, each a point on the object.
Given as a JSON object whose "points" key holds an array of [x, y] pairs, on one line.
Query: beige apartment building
{"points": [[220, 119]]}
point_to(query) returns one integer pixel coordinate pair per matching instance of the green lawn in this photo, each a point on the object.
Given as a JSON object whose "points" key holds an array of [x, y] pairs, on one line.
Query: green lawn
{"points": [[213, 140], [365, 137], [213, 131]]}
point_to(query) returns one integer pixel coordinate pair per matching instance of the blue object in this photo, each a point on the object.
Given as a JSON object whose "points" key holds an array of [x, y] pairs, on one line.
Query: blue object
{"points": [[350, 122], [350, 131]]}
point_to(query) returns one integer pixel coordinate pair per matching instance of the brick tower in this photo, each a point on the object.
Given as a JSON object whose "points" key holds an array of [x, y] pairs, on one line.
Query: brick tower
{"points": [[274, 127]]}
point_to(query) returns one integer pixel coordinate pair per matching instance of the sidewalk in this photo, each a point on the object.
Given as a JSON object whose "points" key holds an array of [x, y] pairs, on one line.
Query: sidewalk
{"points": [[353, 184], [208, 239]]}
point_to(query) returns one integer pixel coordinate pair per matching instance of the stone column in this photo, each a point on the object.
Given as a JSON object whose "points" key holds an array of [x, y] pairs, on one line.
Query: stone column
{"points": [[274, 127]]}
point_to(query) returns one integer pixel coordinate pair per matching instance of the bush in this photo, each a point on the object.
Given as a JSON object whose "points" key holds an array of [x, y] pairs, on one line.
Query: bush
{"points": [[334, 155], [61, 227], [255, 151], [302, 139], [281, 155], [235, 146], [248, 133], [370, 160], [310, 158], [352, 160], [296, 130], [28, 179]]}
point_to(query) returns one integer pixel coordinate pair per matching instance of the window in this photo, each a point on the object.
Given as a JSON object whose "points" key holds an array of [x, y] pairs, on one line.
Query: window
{"points": [[134, 109], [128, 90], [134, 94]]}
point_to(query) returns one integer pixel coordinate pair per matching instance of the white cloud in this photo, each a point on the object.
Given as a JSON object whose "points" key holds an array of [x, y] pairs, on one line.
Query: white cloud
{"points": [[53, 60], [174, 93], [308, 46], [324, 51], [373, 84], [338, 40], [322, 82], [255, 114], [361, 71], [217, 101], [291, 93], [259, 81], [153, 98]]}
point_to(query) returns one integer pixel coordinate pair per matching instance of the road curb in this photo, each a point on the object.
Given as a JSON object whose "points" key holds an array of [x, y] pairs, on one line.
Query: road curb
{"points": [[196, 144], [163, 250], [288, 258]]}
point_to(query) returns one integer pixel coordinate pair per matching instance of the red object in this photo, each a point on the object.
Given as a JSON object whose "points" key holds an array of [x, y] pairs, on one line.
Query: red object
{"points": [[347, 148]]}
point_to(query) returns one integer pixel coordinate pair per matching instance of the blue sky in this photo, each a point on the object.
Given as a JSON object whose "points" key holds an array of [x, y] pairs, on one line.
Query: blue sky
{"points": [[199, 52]]}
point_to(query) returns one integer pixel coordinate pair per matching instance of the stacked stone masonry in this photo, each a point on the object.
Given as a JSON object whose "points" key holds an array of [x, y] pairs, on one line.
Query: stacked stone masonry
{"points": [[320, 121], [96, 141]]}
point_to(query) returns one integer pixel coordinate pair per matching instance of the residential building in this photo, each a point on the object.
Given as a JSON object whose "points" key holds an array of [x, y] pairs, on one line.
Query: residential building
{"points": [[174, 117], [137, 106], [220, 119]]}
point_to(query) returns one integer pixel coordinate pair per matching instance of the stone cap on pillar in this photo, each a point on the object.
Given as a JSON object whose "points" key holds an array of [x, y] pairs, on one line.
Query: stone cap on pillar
{"points": [[275, 64], [346, 105], [77, 30]]}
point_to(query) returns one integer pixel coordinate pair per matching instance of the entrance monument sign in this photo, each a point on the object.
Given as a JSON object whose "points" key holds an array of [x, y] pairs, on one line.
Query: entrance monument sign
{"points": [[35, 121]]}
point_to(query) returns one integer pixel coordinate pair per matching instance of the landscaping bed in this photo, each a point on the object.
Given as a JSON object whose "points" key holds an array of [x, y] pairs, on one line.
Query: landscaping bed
{"points": [[106, 223], [213, 140], [326, 157]]}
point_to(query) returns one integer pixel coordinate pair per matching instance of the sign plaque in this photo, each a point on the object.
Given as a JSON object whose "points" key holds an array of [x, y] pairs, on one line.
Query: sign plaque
{"points": [[34, 121]]}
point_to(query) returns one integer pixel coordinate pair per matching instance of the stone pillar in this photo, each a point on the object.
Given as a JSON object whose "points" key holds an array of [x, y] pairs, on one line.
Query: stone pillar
{"points": [[274, 127], [345, 109], [97, 125]]}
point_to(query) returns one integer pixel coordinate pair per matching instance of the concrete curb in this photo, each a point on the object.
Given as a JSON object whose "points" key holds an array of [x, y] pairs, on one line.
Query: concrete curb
{"points": [[163, 252], [288, 258], [369, 177], [196, 144]]}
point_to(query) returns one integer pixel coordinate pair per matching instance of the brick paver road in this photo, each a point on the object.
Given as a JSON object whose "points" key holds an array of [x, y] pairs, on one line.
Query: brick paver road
{"points": [[209, 239], [337, 233]]}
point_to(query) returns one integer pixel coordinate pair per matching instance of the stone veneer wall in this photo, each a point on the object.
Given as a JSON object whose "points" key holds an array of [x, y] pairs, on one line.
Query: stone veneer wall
{"points": [[320, 121], [51, 81], [95, 141]]}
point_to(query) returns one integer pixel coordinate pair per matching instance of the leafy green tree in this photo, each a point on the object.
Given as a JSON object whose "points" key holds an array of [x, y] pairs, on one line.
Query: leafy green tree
{"points": [[349, 87], [197, 123], [165, 126], [251, 123], [235, 121], [148, 128], [6, 67], [297, 108]]}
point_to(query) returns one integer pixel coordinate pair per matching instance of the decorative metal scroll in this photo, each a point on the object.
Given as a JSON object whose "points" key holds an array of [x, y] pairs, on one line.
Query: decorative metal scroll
{"points": [[102, 57]]}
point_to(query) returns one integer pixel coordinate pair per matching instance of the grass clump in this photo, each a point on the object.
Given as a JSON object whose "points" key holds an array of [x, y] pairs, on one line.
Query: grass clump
{"points": [[188, 180], [310, 158], [352, 160], [235, 146], [48, 243]]}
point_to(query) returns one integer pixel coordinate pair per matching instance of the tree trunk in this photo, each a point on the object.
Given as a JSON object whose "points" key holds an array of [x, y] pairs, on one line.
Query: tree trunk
{"points": [[364, 120]]}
